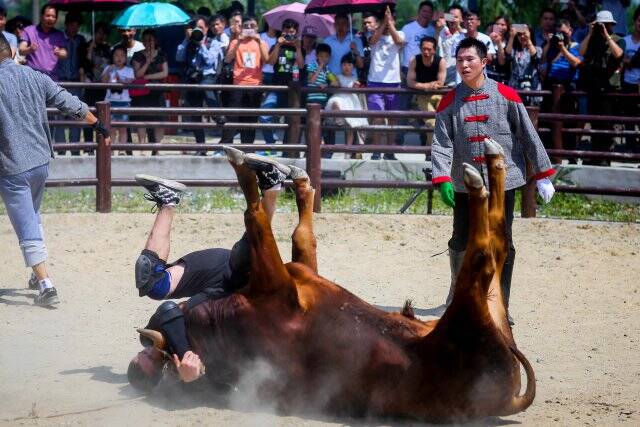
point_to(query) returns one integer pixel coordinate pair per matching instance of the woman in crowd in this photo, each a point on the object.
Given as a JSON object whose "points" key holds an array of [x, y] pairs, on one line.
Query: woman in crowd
{"points": [[150, 66], [499, 31], [524, 58]]}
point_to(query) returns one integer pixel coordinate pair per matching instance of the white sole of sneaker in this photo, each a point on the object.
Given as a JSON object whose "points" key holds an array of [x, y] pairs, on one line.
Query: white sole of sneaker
{"points": [[143, 180], [253, 158]]}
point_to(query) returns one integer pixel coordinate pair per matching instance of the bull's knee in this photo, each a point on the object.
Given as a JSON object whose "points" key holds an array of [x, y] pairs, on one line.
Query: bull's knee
{"points": [[152, 277]]}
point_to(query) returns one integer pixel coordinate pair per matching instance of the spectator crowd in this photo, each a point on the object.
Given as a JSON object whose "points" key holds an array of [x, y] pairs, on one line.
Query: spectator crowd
{"points": [[573, 45]]}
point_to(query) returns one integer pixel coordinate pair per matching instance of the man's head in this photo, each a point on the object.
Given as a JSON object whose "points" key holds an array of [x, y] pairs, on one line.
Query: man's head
{"points": [[249, 23], [548, 20], [425, 12], [127, 34], [5, 48], [428, 47], [458, 13], [472, 22], [564, 27], [72, 23], [290, 27], [48, 16], [471, 58], [323, 53], [216, 24], [370, 22], [341, 24], [102, 32], [3, 18], [145, 369], [235, 19]]}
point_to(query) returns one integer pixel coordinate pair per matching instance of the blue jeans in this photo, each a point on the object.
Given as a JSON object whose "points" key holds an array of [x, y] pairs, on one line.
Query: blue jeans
{"points": [[22, 194]]}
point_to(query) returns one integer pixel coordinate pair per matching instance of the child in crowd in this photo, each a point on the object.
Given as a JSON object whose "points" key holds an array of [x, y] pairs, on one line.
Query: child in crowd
{"points": [[319, 76], [118, 72], [348, 101]]}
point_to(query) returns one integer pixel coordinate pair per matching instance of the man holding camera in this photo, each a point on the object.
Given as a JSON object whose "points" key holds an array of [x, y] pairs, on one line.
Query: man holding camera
{"points": [[202, 57], [603, 51], [561, 59]]}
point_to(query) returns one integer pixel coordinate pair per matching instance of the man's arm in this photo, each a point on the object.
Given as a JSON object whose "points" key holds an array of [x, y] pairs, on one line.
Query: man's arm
{"points": [[443, 137], [527, 135], [411, 75], [442, 72], [181, 52]]}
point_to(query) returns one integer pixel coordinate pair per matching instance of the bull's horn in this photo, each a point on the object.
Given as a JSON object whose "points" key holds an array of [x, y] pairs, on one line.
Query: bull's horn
{"points": [[156, 337]]}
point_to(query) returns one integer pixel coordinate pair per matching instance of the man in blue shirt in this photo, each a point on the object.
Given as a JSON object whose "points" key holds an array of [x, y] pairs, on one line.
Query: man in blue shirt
{"points": [[342, 43], [202, 57]]}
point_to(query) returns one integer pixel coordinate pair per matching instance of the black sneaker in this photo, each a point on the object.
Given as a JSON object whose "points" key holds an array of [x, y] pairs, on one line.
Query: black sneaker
{"points": [[270, 172], [33, 282], [164, 192], [389, 156], [47, 298]]}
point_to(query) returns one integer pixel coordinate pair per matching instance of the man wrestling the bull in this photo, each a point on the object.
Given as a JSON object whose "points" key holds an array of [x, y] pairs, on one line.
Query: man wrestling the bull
{"points": [[478, 109], [200, 276]]}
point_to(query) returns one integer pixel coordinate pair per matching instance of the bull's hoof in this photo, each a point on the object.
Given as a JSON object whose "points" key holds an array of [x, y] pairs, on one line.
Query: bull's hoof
{"points": [[297, 173], [472, 177], [234, 155], [492, 147]]}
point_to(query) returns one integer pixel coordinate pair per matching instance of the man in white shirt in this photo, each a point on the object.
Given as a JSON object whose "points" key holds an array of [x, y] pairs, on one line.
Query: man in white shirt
{"points": [[129, 42], [472, 22], [384, 72], [416, 31]]}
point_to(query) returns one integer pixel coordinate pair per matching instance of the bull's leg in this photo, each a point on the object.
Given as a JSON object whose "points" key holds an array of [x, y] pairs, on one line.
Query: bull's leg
{"points": [[497, 226], [303, 239], [268, 273], [478, 266]]}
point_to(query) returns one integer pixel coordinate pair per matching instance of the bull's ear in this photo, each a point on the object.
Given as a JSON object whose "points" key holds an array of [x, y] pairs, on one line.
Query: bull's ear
{"points": [[156, 337]]}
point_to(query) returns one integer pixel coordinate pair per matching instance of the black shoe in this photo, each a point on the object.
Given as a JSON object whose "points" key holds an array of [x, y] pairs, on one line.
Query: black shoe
{"points": [[270, 172], [33, 282], [220, 120], [164, 192], [47, 298], [389, 156], [375, 156]]}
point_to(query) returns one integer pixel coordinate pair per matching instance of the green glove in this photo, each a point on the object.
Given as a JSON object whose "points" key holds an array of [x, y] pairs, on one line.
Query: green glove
{"points": [[446, 194]]}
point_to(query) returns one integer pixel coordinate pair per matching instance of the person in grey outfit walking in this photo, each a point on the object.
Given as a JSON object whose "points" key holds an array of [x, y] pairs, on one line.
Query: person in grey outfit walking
{"points": [[25, 151]]}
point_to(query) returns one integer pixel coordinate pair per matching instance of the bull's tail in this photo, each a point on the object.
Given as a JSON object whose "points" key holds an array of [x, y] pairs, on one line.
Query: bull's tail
{"points": [[520, 403]]}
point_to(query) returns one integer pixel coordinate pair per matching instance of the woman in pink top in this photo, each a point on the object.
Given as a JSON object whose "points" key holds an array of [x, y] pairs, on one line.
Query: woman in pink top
{"points": [[248, 53]]}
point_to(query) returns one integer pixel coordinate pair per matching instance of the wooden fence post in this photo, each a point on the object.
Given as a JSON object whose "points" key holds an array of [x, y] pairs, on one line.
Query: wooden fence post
{"points": [[294, 101], [103, 161], [557, 93], [314, 153], [528, 207]]}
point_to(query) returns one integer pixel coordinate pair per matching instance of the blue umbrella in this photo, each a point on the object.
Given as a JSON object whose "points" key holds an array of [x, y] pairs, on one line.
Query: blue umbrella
{"points": [[145, 15]]}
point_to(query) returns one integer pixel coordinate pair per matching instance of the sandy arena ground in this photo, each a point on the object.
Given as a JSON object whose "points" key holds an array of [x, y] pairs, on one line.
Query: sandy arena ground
{"points": [[575, 300]]}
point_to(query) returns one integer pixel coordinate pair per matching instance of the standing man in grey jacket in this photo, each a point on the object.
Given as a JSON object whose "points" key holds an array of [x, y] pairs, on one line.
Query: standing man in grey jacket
{"points": [[477, 109], [25, 151]]}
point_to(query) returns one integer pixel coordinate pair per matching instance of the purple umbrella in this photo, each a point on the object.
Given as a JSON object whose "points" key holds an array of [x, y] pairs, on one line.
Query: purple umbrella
{"points": [[322, 24]]}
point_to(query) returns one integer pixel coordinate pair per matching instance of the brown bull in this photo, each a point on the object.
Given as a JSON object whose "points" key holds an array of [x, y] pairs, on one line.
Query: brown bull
{"points": [[330, 350]]}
